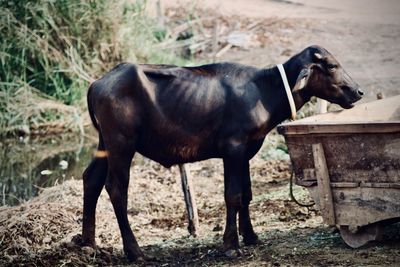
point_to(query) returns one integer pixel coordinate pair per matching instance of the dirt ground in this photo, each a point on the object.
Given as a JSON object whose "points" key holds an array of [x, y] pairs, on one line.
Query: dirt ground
{"points": [[364, 37], [39, 232]]}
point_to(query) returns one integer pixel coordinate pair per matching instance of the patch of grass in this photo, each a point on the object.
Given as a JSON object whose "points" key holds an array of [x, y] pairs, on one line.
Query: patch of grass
{"points": [[51, 50]]}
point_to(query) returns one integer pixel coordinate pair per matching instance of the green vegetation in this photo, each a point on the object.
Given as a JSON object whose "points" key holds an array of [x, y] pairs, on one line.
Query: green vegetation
{"points": [[51, 49]]}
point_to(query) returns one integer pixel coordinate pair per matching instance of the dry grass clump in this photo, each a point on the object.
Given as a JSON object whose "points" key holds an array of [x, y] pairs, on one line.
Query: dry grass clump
{"points": [[41, 222], [34, 226]]}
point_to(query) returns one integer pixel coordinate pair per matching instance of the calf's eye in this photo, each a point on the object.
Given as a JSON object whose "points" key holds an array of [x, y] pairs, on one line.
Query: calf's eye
{"points": [[331, 66]]}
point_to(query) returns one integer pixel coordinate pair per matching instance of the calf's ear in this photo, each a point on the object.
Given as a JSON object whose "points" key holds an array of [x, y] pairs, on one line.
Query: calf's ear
{"points": [[302, 79]]}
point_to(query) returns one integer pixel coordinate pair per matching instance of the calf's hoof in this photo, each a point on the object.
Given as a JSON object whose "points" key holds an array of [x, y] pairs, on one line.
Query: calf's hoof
{"points": [[251, 239], [231, 241], [134, 255], [80, 241]]}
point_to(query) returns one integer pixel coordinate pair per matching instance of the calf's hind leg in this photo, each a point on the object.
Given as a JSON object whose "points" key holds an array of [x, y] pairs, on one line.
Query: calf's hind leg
{"points": [[94, 178], [120, 154]]}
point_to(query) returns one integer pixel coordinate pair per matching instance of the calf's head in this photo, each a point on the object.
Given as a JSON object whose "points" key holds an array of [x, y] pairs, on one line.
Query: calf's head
{"points": [[321, 75]]}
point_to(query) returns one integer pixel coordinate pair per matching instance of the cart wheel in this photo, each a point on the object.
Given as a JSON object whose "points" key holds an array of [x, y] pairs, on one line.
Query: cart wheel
{"points": [[362, 236]]}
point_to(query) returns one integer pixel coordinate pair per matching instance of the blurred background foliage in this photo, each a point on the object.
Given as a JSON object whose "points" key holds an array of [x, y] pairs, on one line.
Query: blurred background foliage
{"points": [[50, 50]]}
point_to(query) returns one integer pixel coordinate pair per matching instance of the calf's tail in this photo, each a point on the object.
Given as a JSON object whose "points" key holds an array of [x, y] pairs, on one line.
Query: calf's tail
{"points": [[90, 108]]}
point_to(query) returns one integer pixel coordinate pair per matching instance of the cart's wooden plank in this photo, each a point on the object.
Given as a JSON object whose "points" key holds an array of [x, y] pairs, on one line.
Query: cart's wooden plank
{"points": [[365, 205], [333, 128], [321, 171], [308, 183], [345, 184], [354, 158], [380, 185]]}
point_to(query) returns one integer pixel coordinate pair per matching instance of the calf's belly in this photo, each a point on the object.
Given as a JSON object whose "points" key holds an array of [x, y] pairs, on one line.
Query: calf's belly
{"points": [[175, 151]]}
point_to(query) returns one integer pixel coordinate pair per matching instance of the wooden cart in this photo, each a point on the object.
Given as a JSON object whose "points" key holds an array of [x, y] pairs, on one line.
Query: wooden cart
{"points": [[350, 162]]}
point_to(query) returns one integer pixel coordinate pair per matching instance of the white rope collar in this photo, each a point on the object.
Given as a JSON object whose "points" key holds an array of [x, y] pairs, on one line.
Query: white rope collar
{"points": [[288, 91]]}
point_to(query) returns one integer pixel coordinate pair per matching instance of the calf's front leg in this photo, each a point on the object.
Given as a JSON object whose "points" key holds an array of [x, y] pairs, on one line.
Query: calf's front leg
{"points": [[245, 227], [236, 167]]}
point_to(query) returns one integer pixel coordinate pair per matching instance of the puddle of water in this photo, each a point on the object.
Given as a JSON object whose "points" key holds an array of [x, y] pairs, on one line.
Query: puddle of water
{"points": [[29, 164]]}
